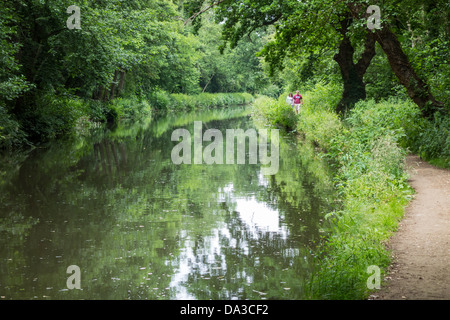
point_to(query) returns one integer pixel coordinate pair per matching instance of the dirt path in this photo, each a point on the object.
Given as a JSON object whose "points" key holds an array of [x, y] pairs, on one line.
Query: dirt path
{"points": [[421, 247]]}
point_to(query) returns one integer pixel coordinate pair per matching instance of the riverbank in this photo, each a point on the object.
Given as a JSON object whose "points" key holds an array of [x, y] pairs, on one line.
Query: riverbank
{"points": [[57, 116], [371, 180], [368, 150]]}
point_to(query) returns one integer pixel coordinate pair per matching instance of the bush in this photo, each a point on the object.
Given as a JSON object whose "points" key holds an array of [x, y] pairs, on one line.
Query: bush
{"points": [[272, 91], [160, 100], [318, 121], [130, 108], [53, 116], [11, 134], [276, 112], [402, 119], [433, 143], [323, 96], [97, 110]]}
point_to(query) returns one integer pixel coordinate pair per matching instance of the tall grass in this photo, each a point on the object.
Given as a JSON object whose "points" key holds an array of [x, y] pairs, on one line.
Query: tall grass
{"points": [[368, 149]]}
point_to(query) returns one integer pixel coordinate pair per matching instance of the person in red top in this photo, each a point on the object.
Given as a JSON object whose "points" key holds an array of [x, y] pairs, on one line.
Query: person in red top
{"points": [[298, 100]]}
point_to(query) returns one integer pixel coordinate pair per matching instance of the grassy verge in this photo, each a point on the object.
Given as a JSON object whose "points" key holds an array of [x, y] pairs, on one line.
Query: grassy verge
{"points": [[367, 150], [275, 111], [370, 177]]}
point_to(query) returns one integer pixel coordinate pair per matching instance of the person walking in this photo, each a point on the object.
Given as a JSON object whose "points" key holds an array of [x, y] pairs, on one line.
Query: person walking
{"points": [[298, 100], [290, 99]]}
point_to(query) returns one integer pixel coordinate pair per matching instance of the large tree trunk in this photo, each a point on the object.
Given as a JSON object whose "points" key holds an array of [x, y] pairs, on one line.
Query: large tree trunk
{"points": [[354, 87], [352, 73], [417, 89], [121, 80], [113, 85]]}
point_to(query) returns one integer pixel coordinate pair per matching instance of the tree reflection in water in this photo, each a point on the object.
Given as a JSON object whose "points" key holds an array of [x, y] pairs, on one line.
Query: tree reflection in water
{"points": [[140, 227]]}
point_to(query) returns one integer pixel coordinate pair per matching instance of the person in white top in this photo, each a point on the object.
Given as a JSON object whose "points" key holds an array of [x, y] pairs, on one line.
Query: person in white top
{"points": [[290, 99]]}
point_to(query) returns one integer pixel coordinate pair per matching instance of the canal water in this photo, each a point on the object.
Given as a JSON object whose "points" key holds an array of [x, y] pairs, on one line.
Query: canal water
{"points": [[138, 226]]}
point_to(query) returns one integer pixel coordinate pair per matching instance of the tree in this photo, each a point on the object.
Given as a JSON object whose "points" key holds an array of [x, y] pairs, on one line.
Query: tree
{"points": [[352, 73], [308, 25], [229, 70], [12, 83], [417, 88], [300, 27]]}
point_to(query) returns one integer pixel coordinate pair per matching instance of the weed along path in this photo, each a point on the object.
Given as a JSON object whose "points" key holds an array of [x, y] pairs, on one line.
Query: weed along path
{"points": [[421, 247]]}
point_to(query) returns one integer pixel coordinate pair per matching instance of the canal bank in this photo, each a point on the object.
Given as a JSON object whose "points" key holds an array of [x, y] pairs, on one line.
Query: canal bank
{"points": [[368, 156]]}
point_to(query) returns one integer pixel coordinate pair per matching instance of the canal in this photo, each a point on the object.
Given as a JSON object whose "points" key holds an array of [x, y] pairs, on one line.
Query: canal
{"points": [[138, 226]]}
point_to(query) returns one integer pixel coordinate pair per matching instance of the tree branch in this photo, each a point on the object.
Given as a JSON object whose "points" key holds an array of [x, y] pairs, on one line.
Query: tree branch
{"points": [[203, 10]]}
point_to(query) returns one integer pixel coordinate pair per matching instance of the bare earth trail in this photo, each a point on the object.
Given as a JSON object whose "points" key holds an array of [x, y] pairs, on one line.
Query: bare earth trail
{"points": [[421, 247]]}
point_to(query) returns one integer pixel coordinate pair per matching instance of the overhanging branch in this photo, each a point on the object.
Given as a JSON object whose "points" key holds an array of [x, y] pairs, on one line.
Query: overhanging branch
{"points": [[191, 18]]}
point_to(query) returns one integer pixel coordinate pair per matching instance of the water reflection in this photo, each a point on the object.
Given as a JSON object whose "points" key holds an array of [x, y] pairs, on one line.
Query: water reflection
{"points": [[140, 227]]}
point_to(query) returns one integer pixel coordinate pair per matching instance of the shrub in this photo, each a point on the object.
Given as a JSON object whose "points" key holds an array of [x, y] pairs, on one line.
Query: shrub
{"points": [[97, 110], [160, 100], [323, 96], [434, 140], [276, 112], [53, 116], [11, 134], [130, 108], [402, 119]]}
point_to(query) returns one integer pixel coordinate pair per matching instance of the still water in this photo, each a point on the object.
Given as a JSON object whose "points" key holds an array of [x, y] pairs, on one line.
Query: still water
{"points": [[140, 227]]}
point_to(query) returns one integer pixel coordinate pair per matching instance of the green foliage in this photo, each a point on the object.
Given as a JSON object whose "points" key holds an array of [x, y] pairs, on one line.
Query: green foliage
{"points": [[229, 70], [12, 83], [428, 138], [130, 108], [318, 123], [427, 43], [397, 117], [11, 134], [182, 102], [324, 96], [433, 142], [370, 178], [53, 116], [272, 91], [124, 53], [367, 149], [381, 83], [276, 112]]}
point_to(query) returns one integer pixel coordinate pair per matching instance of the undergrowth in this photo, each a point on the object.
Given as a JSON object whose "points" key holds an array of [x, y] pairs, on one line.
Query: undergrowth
{"points": [[367, 150]]}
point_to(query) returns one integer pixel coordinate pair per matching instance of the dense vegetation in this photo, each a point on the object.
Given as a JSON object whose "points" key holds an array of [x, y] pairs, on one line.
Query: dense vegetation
{"points": [[142, 50], [368, 154], [138, 51], [370, 96], [365, 135], [372, 183]]}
